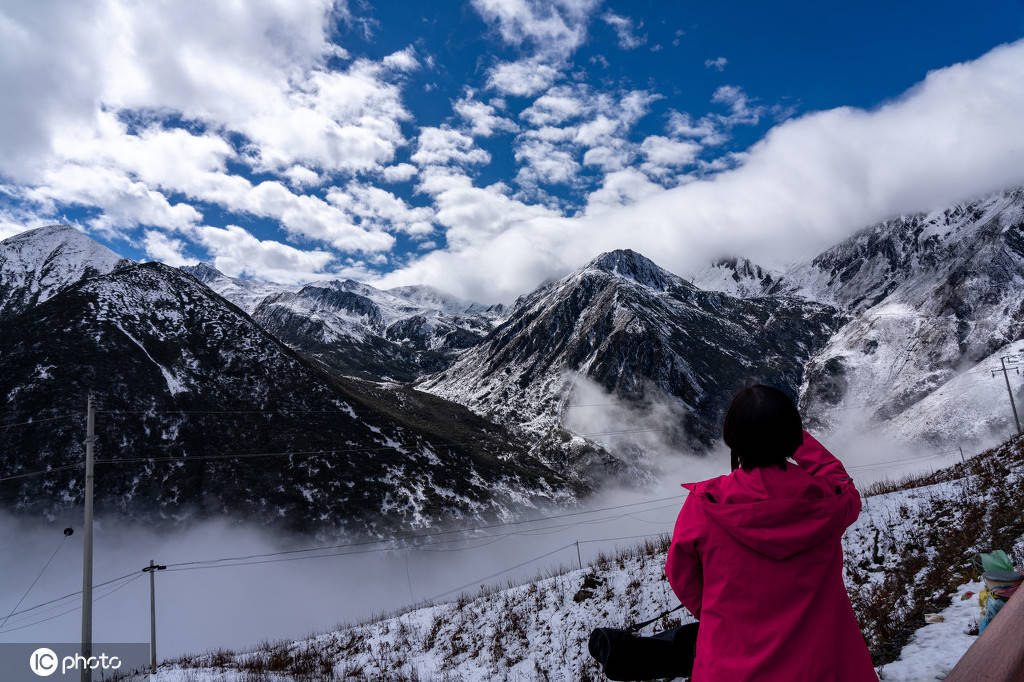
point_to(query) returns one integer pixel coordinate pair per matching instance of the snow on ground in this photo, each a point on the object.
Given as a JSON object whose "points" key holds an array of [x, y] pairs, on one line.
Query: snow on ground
{"points": [[902, 561], [934, 650]]}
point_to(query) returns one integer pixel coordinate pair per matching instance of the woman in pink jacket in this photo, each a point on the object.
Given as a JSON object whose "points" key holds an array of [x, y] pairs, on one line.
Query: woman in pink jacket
{"points": [[757, 555]]}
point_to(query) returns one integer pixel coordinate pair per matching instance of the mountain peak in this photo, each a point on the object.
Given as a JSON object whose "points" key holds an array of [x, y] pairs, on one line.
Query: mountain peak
{"points": [[39, 263], [203, 271], [629, 264]]}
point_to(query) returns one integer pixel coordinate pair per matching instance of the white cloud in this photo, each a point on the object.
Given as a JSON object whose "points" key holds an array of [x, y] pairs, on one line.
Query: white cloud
{"points": [[557, 105], [740, 110], [549, 31], [808, 183], [236, 252], [623, 26], [620, 188], [381, 210], [399, 173], [522, 78], [681, 124], [300, 176], [255, 68], [482, 118], [662, 151], [444, 145], [573, 119], [403, 60], [544, 162], [718, 63], [159, 246]]}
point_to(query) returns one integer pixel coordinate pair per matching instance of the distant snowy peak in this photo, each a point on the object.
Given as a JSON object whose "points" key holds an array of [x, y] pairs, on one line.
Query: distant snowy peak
{"points": [[38, 264], [904, 251], [245, 293], [737, 277], [431, 298], [629, 264]]}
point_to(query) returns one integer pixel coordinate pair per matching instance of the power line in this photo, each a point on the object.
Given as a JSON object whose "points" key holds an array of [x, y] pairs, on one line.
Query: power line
{"points": [[413, 536], [38, 576], [44, 471], [73, 594], [36, 421], [72, 610], [501, 572]]}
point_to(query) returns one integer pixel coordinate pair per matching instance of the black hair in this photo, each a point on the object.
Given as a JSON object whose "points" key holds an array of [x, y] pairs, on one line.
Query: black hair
{"points": [[762, 427]]}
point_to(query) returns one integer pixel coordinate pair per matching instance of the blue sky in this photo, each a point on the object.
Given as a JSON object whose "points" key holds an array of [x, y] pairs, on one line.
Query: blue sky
{"points": [[482, 146]]}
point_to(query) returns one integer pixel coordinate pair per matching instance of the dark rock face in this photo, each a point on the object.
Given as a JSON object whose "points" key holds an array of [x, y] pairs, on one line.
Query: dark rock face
{"points": [[629, 325], [181, 373]]}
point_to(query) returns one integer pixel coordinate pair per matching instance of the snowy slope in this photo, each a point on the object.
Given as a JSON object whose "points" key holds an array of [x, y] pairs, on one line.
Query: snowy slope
{"points": [[903, 559], [37, 264], [356, 329], [737, 277], [932, 301]]}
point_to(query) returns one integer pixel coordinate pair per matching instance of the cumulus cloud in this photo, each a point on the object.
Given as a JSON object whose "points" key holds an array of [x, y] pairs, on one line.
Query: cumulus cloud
{"points": [[444, 145], [381, 210], [403, 60], [255, 68], [624, 30], [236, 252], [549, 32], [572, 120], [399, 173], [811, 181], [522, 78], [482, 118], [165, 249]]}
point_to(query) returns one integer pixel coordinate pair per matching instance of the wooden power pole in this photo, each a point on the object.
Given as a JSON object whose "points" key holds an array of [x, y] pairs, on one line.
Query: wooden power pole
{"points": [[90, 438], [152, 569]]}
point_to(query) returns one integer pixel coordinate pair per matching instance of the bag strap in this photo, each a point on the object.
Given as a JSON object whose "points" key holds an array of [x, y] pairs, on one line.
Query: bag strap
{"points": [[637, 626]]}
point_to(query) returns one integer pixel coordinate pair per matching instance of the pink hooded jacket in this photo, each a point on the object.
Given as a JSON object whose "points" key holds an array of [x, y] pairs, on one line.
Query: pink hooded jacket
{"points": [[757, 556]]}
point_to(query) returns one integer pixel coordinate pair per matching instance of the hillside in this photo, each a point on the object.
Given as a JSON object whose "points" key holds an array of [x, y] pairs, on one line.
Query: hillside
{"points": [[205, 414], [908, 554]]}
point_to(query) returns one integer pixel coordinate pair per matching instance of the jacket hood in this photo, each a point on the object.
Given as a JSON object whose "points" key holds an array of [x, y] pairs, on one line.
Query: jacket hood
{"points": [[773, 512]]}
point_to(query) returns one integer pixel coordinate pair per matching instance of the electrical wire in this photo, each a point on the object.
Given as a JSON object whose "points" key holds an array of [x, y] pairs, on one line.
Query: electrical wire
{"points": [[36, 421], [431, 534], [77, 608], [501, 572], [38, 576], [73, 594], [44, 471]]}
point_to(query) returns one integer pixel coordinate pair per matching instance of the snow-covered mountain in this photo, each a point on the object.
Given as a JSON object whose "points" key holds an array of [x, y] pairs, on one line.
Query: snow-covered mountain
{"points": [[37, 264], [737, 277], [398, 334], [193, 393], [932, 301], [643, 335]]}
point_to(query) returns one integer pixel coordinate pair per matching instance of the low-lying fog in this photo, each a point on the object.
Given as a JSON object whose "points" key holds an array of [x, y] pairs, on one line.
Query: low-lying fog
{"points": [[238, 606]]}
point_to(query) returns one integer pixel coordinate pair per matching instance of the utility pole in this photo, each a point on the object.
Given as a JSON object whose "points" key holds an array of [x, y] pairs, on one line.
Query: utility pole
{"points": [[578, 557], [1006, 376], [962, 454], [152, 569], [90, 437]]}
